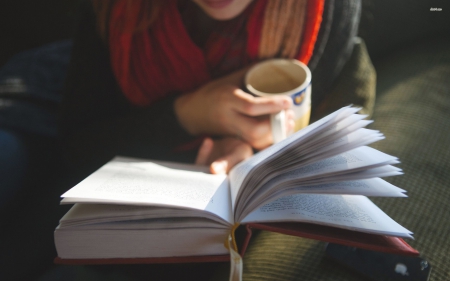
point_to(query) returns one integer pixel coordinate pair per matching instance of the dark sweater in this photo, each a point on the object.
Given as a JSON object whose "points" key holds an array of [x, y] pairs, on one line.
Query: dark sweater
{"points": [[97, 122]]}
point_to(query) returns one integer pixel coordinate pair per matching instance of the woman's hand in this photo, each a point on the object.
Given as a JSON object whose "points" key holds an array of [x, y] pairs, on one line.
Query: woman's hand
{"points": [[222, 155], [221, 108]]}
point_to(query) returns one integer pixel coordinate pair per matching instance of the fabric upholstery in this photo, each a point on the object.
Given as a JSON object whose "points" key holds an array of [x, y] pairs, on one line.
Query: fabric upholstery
{"points": [[413, 111], [355, 85]]}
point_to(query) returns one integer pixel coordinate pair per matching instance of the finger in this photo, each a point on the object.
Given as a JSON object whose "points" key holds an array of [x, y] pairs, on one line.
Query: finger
{"points": [[204, 152], [256, 106], [290, 121], [291, 126], [290, 114], [256, 131], [227, 162], [219, 167]]}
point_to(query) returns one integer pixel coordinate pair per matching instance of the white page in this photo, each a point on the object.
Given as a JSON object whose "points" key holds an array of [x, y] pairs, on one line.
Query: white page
{"points": [[367, 187], [156, 223], [384, 171], [354, 159], [82, 214], [378, 172], [240, 171], [355, 136], [300, 157], [352, 212], [140, 243], [374, 187], [147, 183]]}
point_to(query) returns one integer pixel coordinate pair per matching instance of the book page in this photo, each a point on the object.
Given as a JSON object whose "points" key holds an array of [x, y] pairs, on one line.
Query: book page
{"points": [[377, 172], [361, 158], [358, 159], [352, 212], [140, 243], [125, 181], [154, 224], [374, 187], [84, 214], [242, 170], [367, 187]]}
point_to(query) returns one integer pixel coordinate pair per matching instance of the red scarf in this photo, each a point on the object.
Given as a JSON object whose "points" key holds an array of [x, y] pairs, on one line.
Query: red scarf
{"points": [[162, 60]]}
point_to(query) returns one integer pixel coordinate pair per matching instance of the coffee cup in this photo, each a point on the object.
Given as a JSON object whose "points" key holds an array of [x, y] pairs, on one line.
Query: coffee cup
{"points": [[287, 77]]}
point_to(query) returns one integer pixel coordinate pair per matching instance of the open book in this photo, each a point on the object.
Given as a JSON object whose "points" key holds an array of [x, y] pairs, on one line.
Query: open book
{"points": [[312, 184]]}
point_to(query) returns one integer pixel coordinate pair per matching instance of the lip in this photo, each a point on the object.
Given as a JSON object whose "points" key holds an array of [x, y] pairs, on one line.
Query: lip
{"points": [[217, 4]]}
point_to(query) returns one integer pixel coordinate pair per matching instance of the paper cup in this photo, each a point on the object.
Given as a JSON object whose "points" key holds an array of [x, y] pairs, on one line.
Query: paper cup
{"points": [[288, 77]]}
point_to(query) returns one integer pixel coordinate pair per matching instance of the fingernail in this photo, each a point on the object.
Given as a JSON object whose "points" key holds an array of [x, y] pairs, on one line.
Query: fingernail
{"points": [[219, 167]]}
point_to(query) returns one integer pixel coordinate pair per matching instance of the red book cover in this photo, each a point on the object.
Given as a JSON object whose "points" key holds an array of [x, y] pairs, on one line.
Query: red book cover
{"points": [[373, 242]]}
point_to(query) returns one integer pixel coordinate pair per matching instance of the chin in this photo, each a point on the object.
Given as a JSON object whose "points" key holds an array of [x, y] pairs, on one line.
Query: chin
{"points": [[223, 9], [222, 15]]}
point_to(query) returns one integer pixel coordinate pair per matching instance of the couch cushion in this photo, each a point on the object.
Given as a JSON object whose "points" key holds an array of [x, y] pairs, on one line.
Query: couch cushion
{"points": [[413, 111]]}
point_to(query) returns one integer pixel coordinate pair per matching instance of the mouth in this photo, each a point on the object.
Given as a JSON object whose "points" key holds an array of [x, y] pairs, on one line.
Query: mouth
{"points": [[217, 4]]}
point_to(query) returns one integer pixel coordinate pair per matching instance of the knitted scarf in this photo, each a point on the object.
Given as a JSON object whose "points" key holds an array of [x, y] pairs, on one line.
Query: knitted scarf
{"points": [[163, 59]]}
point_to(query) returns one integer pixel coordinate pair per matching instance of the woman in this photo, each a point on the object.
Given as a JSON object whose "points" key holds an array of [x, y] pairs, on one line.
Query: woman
{"points": [[163, 80], [155, 79]]}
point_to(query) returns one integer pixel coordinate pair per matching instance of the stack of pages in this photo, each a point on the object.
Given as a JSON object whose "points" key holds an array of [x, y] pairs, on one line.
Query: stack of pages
{"points": [[312, 184]]}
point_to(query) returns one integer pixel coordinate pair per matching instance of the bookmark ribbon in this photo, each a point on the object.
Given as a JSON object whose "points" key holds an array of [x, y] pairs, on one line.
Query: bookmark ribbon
{"points": [[236, 263]]}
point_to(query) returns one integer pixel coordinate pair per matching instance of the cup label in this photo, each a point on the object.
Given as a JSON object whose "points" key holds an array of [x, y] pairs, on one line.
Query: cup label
{"points": [[302, 108]]}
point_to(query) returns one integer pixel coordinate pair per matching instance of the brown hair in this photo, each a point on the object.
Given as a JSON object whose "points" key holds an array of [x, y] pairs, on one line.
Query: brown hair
{"points": [[282, 28], [102, 9]]}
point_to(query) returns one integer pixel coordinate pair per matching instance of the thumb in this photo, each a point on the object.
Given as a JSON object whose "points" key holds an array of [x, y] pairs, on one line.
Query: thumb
{"points": [[219, 166], [224, 164]]}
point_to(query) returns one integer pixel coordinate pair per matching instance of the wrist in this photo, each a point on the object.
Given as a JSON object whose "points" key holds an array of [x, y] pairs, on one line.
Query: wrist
{"points": [[185, 114]]}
